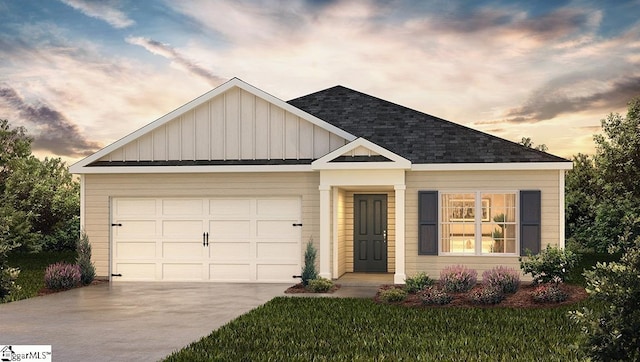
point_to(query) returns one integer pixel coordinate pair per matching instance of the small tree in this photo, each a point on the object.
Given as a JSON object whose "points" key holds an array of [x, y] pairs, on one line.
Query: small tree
{"points": [[611, 332], [309, 271], [8, 275], [87, 269]]}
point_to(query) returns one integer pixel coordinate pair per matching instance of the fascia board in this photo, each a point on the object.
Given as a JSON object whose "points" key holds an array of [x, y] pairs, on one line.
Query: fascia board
{"points": [[324, 162], [507, 166], [192, 169]]}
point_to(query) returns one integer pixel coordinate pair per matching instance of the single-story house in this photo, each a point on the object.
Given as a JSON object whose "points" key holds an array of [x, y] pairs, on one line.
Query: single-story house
{"points": [[231, 186]]}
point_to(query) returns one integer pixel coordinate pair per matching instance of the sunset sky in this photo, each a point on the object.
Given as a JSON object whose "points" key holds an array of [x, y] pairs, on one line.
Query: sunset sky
{"points": [[80, 74]]}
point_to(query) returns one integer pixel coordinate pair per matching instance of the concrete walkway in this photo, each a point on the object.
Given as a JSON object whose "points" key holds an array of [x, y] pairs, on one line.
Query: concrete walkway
{"points": [[134, 321]]}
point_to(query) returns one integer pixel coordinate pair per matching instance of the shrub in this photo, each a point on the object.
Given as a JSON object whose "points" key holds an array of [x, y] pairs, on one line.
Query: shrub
{"points": [[611, 333], [417, 282], [87, 269], [458, 278], [505, 279], [393, 295], [549, 293], [487, 295], [435, 296], [62, 276], [551, 263], [320, 285], [309, 271]]}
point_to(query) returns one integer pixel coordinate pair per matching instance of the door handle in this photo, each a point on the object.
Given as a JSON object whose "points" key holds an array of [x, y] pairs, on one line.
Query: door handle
{"points": [[203, 240], [207, 238], [384, 235]]}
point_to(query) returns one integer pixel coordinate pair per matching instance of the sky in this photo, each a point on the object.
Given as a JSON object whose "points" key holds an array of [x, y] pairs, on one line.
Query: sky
{"points": [[81, 74]]}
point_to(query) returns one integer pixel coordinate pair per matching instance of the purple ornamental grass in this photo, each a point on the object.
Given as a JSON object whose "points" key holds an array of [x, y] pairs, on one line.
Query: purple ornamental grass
{"points": [[458, 278], [62, 276], [502, 278]]}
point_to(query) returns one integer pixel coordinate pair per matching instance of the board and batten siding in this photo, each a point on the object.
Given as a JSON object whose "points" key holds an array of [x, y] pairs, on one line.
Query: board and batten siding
{"points": [[235, 125], [548, 182], [100, 189]]}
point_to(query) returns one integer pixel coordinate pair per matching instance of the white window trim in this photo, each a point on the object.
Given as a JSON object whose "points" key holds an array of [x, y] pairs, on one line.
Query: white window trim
{"points": [[478, 223]]}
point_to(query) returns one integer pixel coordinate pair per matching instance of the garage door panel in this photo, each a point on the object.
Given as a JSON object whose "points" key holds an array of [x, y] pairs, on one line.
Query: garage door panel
{"points": [[230, 272], [137, 271], [278, 251], [134, 207], [135, 250], [230, 251], [281, 207], [230, 207], [276, 228], [182, 271], [182, 228], [181, 250], [224, 229], [139, 228], [182, 207], [249, 239], [276, 272]]}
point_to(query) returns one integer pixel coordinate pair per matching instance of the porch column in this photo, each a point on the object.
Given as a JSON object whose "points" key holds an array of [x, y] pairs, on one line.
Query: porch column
{"points": [[325, 231], [400, 275]]}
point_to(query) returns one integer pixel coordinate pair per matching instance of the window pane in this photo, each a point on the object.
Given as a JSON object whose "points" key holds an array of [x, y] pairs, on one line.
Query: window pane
{"points": [[458, 223], [498, 226]]}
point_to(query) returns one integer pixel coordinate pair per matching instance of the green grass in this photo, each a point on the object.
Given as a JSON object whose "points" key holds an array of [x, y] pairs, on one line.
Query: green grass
{"points": [[32, 266], [294, 329]]}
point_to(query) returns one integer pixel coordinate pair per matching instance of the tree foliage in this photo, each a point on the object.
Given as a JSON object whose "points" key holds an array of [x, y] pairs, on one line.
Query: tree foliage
{"points": [[603, 192], [610, 332], [527, 142], [40, 200]]}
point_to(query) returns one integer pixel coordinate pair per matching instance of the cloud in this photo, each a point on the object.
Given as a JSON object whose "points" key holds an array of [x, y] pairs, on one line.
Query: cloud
{"points": [[56, 133], [550, 102], [103, 10], [170, 53]]}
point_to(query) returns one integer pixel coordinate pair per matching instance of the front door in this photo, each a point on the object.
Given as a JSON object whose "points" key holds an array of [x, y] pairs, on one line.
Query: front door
{"points": [[370, 233]]}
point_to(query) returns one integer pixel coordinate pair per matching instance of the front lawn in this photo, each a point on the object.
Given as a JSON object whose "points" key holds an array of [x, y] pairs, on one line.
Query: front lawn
{"points": [[32, 266], [294, 328]]}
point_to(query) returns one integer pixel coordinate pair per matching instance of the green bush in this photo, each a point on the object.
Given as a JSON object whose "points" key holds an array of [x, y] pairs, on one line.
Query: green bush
{"points": [[309, 271], [417, 283], [8, 275], [505, 279], [320, 285], [393, 295], [552, 263], [62, 276], [549, 293], [87, 269], [610, 333], [458, 278], [435, 296], [487, 295]]}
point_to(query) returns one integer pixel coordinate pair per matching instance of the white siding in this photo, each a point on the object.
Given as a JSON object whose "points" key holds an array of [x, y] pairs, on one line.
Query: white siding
{"points": [[235, 125]]}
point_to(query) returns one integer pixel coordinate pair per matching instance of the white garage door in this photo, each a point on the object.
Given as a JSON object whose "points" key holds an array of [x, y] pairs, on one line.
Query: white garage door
{"points": [[216, 239]]}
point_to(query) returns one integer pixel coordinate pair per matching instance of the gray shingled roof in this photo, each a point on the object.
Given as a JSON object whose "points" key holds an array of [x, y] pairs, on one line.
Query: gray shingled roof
{"points": [[416, 136]]}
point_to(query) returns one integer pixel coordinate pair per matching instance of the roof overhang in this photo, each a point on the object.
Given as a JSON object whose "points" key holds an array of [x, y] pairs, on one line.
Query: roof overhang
{"points": [[194, 169], [361, 148], [507, 166]]}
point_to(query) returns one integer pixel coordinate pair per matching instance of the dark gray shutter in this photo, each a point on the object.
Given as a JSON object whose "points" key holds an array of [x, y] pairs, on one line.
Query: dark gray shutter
{"points": [[428, 222], [530, 221]]}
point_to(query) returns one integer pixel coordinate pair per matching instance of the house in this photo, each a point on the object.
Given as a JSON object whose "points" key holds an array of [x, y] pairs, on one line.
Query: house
{"points": [[231, 186]]}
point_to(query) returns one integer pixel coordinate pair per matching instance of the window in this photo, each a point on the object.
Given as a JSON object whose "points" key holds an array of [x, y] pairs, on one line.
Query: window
{"points": [[478, 223]]}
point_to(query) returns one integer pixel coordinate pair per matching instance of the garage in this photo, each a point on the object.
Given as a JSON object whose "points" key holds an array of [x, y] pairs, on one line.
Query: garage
{"points": [[206, 239]]}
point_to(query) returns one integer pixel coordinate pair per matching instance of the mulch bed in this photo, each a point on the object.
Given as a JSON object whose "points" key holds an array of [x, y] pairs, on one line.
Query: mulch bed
{"points": [[299, 288], [520, 299]]}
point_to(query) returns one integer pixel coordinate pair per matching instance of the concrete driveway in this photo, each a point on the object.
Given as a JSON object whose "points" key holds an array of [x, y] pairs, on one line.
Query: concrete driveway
{"points": [[128, 321]]}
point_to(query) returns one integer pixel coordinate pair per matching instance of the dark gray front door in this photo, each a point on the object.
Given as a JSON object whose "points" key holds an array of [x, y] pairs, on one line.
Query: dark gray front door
{"points": [[370, 233]]}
